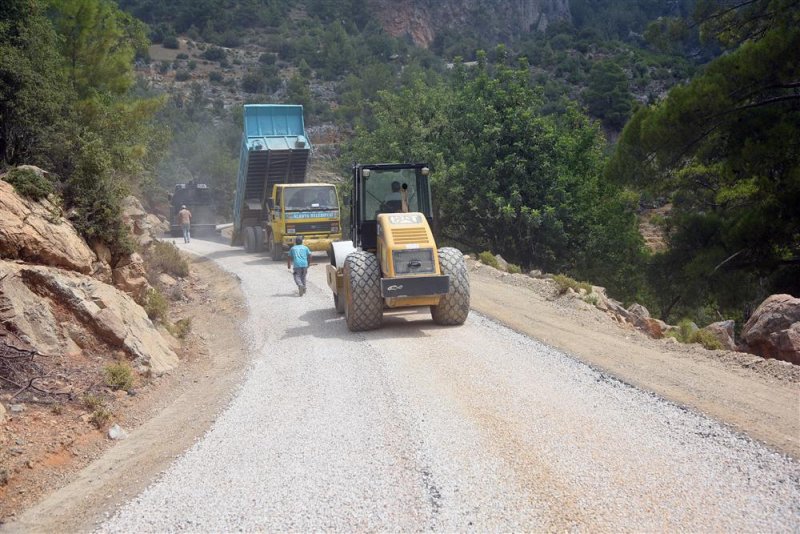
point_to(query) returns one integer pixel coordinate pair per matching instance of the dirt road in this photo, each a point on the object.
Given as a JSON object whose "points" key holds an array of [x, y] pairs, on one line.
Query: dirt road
{"points": [[416, 427]]}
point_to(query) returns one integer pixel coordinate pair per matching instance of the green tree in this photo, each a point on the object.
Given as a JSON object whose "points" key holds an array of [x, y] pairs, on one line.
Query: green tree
{"points": [[507, 177], [99, 42], [726, 149], [34, 93], [608, 96]]}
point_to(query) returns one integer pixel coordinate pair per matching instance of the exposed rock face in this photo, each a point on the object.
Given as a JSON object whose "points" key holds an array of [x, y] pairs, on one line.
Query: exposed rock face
{"points": [[723, 331], [773, 331], [130, 276], [48, 307], [36, 232], [144, 226], [422, 20]]}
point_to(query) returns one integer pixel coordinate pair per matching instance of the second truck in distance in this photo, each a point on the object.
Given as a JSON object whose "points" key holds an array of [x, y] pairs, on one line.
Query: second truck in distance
{"points": [[273, 204]]}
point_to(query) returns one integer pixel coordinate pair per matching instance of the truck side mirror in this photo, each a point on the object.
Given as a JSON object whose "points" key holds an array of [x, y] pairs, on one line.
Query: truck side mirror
{"points": [[270, 204]]}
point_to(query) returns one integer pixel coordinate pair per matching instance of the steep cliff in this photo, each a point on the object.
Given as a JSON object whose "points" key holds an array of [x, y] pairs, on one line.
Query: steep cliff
{"points": [[491, 19]]}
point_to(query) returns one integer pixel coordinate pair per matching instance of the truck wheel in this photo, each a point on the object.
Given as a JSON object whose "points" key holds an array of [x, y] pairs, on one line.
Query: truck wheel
{"points": [[453, 307], [258, 239], [275, 248], [249, 239], [363, 306]]}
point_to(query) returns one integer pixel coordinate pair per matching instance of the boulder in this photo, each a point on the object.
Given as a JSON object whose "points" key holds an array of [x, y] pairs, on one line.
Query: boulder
{"points": [[130, 276], [501, 263], [772, 330], [639, 311], [94, 306], [37, 232], [723, 331], [25, 314]]}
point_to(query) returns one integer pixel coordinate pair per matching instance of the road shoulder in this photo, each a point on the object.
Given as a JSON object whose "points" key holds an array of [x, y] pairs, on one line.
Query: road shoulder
{"points": [[756, 397], [191, 399]]}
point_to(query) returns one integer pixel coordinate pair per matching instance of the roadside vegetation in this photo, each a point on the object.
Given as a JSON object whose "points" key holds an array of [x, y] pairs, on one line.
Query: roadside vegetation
{"points": [[522, 131]]}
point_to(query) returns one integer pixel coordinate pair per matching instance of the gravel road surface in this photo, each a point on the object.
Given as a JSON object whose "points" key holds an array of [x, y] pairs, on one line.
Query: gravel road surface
{"points": [[420, 427]]}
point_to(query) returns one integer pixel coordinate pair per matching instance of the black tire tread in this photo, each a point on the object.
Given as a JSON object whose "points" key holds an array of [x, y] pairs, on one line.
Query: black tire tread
{"points": [[363, 301], [453, 308]]}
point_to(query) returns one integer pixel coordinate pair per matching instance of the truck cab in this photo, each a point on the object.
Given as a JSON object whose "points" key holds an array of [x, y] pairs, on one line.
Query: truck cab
{"points": [[310, 210]]}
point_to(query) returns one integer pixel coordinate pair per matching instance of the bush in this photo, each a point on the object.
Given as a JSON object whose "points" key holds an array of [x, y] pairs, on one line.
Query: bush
{"points": [[28, 184], [155, 305], [267, 58], [514, 268], [565, 282], [181, 328], [192, 65], [119, 376], [214, 54], [101, 417], [253, 82], [487, 258], [171, 42], [707, 339], [182, 55], [684, 332], [164, 257], [182, 75], [215, 76], [164, 66]]}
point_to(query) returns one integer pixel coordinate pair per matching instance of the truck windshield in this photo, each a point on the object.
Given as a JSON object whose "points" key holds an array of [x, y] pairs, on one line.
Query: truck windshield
{"points": [[311, 198], [384, 192]]}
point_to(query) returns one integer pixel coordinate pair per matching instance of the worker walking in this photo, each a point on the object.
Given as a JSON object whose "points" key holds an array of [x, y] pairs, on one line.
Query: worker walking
{"points": [[299, 258], [185, 218]]}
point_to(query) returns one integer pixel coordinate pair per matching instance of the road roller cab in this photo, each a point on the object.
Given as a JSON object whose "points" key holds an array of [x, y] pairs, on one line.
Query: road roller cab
{"points": [[392, 260]]}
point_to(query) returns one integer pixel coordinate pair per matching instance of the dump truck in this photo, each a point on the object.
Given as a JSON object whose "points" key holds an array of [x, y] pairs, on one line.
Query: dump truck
{"points": [[393, 260], [273, 204], [198, 199]]}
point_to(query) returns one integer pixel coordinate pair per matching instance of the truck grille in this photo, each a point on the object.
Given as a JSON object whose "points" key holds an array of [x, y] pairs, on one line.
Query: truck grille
{"points": [[410, 236], [315, 227]]}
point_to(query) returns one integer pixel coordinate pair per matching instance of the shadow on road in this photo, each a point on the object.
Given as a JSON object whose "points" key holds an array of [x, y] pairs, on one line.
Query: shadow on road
{"points": [[326, 323]]}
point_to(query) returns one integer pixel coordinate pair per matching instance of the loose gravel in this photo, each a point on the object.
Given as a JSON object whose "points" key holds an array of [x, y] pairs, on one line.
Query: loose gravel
{"points": [[420, 427]]}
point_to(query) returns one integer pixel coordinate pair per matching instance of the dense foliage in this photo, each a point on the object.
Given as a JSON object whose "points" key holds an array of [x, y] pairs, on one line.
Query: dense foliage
{"points": [[725, 149], [508, 176], [65, 71]]}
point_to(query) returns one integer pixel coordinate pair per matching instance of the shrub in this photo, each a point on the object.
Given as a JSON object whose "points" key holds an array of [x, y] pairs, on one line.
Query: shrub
{"points": [[253, 82], [164, 257], [92, 402], [182, 75], [267, 58], [182, 55], [192, 65], [181, 328], [171, 42], [29, 184], [488, 258], [707, 339], [215, 76], [514, 268], [684, 332], [101, 417], [592, 299], [119, 376], [565, 282], [155, 305], [164, 66], [213, 54]]}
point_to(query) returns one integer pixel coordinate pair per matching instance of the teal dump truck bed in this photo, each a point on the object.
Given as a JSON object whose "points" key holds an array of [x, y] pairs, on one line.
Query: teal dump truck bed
{"points": [[275, 150]]}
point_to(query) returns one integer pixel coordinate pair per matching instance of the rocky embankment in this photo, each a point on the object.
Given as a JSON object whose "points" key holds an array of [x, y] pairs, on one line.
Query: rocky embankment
{"points": [[76, 342], [60, 295], [772, 331]]}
